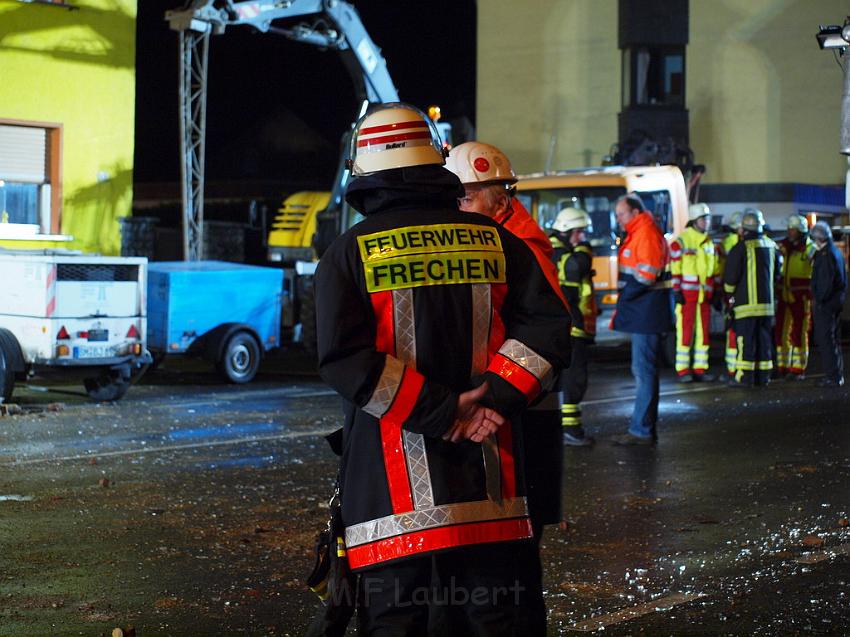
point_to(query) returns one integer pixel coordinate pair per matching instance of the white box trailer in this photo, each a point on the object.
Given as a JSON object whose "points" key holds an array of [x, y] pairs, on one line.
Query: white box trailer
{"points": [[73, 315]]}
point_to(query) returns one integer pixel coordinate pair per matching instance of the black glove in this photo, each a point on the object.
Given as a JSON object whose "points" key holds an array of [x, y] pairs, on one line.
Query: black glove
{"points": [[680, 298]]}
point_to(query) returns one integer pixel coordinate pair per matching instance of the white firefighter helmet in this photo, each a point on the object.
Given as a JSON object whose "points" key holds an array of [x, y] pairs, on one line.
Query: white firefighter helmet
{"points": [[477, 162], [570, 218], [799, 223], [753, 220], [735, 220], [394, 135], [698, 210]]}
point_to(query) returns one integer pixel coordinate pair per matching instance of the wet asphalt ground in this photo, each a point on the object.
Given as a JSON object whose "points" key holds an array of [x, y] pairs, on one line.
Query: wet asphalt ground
{"points": [[190, 508]]}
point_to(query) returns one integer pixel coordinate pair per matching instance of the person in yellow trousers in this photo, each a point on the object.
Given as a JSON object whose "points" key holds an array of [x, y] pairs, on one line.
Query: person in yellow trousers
{"points": [[794, 300], [736, 231], [694, 266]]}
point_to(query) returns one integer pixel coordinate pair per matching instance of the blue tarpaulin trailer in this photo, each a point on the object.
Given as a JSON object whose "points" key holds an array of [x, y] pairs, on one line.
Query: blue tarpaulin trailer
{"points": [[228, 313]]}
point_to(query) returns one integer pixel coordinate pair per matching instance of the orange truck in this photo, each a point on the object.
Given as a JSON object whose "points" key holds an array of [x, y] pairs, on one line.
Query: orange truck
{"points": [[595, 190]]}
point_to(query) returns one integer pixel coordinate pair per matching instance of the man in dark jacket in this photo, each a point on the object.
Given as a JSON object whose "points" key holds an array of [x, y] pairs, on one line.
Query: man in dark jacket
{"points": [[643, 310], [829, 287], [432, 323]]}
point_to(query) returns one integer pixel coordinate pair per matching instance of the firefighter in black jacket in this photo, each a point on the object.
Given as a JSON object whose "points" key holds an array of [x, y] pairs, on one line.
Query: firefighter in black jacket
{"points": [[431, 323], [752, 267], [829, 288], [574, 258]]}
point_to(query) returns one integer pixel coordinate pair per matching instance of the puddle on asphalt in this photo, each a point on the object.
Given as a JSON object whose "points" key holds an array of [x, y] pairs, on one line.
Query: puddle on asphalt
{"points": [[16, 498]]}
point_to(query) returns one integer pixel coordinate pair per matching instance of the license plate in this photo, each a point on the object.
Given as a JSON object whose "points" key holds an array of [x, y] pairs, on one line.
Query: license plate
{"points": [[98, 335], [94, 351]]}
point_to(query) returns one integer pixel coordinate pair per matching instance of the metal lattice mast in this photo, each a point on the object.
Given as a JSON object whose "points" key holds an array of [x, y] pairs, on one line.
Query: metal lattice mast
{"points": [[194, 55]]}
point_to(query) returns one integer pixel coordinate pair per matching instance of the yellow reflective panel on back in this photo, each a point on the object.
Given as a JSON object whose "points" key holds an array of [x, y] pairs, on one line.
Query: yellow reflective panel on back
{"points": [[424, 239], [443, 254], [441, 268]]}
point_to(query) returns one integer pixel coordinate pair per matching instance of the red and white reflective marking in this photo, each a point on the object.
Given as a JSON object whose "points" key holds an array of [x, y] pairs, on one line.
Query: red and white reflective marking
{"points": [[389, 136], [51, 292]]}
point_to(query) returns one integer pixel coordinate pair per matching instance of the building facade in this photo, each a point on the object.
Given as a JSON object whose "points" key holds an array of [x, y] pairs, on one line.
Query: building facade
{"points": [[67, 113], [758, 100]]}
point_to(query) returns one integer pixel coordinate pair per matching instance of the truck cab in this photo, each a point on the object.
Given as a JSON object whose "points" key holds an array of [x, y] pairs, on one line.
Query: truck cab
{"points": [[595, 190]]}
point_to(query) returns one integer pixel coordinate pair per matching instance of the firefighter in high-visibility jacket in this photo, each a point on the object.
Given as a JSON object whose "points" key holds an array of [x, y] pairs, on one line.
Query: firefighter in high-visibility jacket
{"points": [[794, 300], [695, 270], [574, 258], [729, 241], [751, 269], [437, 328]]}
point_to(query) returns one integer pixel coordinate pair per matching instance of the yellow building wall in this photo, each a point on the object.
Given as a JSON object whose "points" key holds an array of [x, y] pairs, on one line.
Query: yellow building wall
{"points": [[764, 100], [77, 68], [548, 69]]}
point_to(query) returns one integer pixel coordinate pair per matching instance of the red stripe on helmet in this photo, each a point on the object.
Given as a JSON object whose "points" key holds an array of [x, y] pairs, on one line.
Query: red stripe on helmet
{"points": [[388, 139], [416, 123]]}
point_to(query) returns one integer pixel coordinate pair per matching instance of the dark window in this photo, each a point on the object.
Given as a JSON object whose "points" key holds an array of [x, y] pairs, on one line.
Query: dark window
{"points": [[598, 202], [654, 76]]}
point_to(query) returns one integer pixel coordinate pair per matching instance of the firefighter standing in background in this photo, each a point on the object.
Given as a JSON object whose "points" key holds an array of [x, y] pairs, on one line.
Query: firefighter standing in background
{"points": [[694, 266], [736, 232], [794, 300], [437, 328], [574, 258], [751, 269], [829, 289], [488, 180]]}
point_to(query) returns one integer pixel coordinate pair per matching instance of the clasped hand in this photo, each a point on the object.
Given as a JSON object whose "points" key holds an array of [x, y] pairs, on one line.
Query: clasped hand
{"points": [[473, 421]]}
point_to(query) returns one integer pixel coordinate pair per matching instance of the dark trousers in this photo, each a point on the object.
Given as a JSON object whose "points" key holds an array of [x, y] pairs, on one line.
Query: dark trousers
{"points": [[828, 338], [574, 377], [476, 590], [755, 349]]}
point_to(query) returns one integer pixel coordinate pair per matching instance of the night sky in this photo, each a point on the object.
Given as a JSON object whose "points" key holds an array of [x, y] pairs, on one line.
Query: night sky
{"points": [[276, 108]]}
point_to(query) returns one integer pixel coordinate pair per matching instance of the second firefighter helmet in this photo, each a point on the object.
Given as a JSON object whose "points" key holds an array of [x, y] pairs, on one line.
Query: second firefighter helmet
{"points": [[753, 220], [394, 135], [735, 220], [697, 211], [571, 218], [798, 223], [480, 163]]}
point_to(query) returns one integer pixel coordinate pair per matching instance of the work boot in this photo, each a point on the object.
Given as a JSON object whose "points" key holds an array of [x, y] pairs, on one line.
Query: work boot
{"points": [[704, 377], [686, 378], [577, 438], [791, 376]]}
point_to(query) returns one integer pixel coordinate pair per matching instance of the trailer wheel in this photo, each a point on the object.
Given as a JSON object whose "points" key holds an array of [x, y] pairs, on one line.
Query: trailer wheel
{"points": [[7, 375], [240, 359], [106, 387]]}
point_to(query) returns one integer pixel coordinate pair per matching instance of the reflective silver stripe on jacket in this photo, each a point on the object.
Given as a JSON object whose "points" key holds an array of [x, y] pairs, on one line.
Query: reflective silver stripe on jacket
{"points": [[386, 388], [414, 444], [482, 311], [528, 359], [437, 516]]}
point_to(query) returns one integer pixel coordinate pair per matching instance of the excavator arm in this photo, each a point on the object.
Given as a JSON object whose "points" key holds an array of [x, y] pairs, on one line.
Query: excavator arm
{"points": [[328, 24]]}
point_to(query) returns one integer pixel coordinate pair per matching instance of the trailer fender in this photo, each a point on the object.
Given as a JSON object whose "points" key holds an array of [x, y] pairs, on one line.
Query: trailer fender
{"points": [[215, 340]]}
